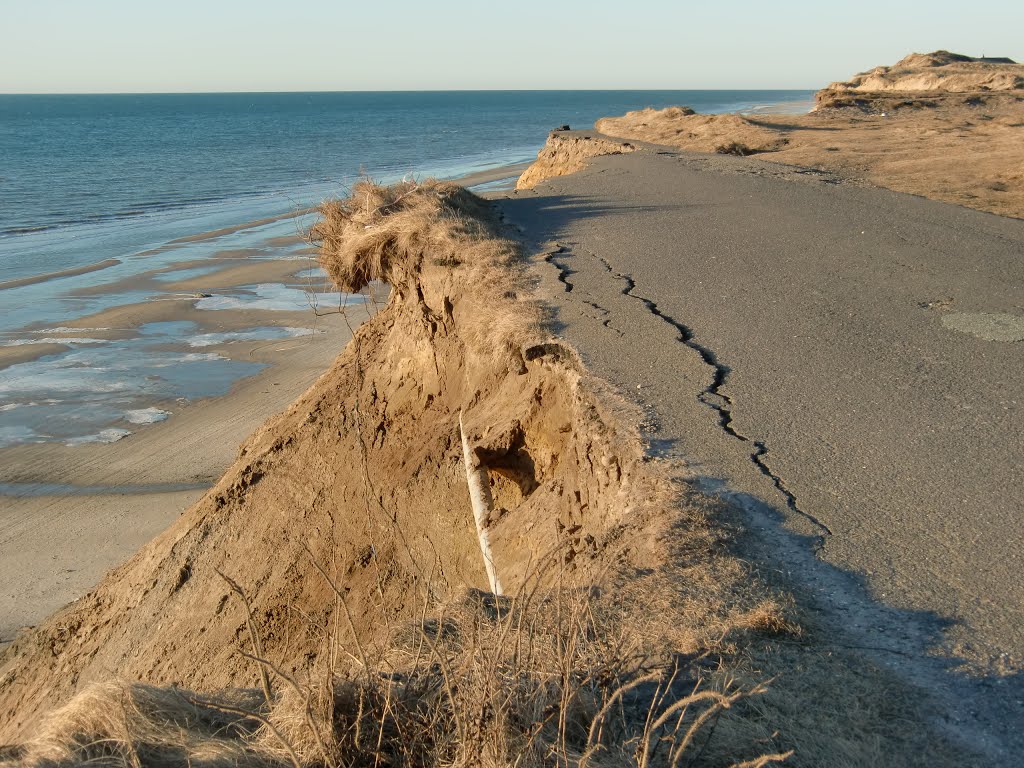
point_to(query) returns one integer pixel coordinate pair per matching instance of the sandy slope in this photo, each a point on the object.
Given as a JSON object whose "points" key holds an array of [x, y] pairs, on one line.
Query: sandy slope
{"points": [[56, 546], [952, 132], [940, 71]]}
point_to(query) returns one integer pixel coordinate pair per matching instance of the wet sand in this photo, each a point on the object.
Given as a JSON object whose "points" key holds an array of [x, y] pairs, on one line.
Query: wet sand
{"points": [[69, 514], [35, 279], [115, 497]]}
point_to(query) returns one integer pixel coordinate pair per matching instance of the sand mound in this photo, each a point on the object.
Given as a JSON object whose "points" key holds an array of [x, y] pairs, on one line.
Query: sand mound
{"points": [[937, 141], [329, 593], [940, 71], [566, 153], [942, 58], [682, 127]]}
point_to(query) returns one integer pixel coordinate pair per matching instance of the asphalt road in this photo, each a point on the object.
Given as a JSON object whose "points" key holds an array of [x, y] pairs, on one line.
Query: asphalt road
{"points": [[850, 358]]}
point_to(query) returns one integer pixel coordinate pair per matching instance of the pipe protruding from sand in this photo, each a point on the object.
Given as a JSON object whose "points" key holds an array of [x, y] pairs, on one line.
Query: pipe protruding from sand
{"points": [[483, 504]]}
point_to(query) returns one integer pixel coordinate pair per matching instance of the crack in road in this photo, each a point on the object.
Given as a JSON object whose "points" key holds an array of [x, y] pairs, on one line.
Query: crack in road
{"points": [[713, 396], [563, 270], [563, 277]]}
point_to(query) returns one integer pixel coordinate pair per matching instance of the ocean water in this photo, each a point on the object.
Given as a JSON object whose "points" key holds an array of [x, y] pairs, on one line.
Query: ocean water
{"points": [[123, 179], [84, 178]]}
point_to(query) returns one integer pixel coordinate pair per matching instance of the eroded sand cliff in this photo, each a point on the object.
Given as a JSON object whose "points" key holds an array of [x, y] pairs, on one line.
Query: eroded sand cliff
{"points": [[342, 539], [938, 125]]}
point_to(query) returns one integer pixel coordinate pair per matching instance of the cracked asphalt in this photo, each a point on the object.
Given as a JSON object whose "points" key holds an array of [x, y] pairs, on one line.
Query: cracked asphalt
{"points": [[794, 338]]}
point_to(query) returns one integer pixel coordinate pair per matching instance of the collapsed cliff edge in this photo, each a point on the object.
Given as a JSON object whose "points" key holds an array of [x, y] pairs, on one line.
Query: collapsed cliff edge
{"points": [[451, 550]]}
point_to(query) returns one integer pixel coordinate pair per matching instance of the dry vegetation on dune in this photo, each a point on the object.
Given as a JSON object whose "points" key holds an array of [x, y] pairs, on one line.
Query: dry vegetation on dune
{"points": [[326, 603], [567, 153], [327, 595], [939, 125], [940, 71], [684, 128], [484, 682]]}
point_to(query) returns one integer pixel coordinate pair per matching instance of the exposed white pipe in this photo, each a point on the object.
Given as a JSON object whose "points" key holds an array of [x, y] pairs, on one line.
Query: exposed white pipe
{"points": [[483, 503]]}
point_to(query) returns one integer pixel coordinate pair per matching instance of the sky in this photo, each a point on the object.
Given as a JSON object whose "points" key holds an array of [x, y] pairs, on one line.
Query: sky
{"points": [[134, 46]]}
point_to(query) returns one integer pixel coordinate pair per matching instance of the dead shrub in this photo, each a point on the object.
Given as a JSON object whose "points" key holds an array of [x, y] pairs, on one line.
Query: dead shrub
{"points": [[734, 148], [546, 678]]}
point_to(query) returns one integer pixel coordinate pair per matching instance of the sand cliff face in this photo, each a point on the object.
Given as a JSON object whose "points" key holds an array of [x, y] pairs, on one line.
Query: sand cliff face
{"points": [[348, 515], [566, 153]]}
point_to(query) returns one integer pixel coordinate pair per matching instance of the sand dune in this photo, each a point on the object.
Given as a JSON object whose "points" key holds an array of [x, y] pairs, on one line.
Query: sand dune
{"points": [[945, 127]]}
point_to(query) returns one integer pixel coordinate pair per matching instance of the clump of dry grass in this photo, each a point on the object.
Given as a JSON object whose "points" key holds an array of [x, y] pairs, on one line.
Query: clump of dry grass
{"points": [[393, 234], [734, 148], [121, 724], [384, 232], [550, 677]]}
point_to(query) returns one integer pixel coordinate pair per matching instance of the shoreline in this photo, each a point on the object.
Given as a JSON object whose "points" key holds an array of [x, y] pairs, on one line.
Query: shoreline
{"points": [[49, 554], [73, 272]]}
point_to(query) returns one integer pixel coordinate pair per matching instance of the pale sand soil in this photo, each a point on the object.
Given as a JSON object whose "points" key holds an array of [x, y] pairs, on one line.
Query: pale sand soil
{"points": [[938, 71], [53, 548], [957, 152]]}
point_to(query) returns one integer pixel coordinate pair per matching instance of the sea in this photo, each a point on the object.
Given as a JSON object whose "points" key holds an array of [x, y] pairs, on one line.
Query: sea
{"points": [[122, 181]]}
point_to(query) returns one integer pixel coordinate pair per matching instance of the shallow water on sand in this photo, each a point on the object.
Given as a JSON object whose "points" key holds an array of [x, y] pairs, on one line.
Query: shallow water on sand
{"points": [[103, 383], [130, 183]]}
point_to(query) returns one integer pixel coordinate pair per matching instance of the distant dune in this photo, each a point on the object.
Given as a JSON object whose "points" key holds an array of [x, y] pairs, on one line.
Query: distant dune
{"points": [[939, 71], [941, 125]]}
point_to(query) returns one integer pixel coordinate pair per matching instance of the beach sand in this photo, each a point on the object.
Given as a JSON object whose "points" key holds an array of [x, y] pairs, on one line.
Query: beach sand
{"points": [[68, 514]]}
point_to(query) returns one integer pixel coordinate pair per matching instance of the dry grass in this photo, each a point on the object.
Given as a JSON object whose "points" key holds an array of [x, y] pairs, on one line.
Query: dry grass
{"points": [[633, 636], [384, 233], [684, 128], [549, 677], [390, 233]]}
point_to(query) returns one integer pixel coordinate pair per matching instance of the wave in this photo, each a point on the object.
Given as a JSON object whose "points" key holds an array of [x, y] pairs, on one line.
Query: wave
{"points": [[133, 211]]}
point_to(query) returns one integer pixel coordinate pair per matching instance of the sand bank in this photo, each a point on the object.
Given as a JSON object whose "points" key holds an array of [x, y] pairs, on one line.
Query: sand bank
{"points": [[55, 545], [20, 282]]}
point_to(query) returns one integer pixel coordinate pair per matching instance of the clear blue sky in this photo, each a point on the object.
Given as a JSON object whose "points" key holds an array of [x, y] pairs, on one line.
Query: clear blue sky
{"points": [[75, 46]]}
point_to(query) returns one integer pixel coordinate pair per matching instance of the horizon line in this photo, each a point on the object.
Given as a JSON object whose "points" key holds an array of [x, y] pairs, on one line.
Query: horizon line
{"points": [[386, 90]]}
